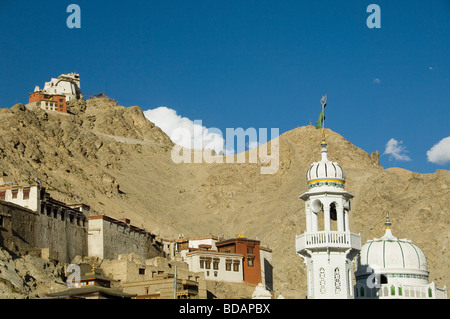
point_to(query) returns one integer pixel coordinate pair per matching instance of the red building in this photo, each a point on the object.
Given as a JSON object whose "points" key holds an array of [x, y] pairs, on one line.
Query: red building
{"points": [[249, 248], [53, 102]]}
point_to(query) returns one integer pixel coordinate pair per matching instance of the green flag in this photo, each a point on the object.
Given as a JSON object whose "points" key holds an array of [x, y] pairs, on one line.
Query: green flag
{"points": [[319, 122]]}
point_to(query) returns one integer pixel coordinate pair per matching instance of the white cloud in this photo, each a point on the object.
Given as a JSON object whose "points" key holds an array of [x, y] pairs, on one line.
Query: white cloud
{"points": [[376, 81], [440, 152], [185, 132], [396, 150]]}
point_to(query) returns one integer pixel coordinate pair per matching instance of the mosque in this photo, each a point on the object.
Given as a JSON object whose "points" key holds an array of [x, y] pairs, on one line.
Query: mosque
{"points": [[386, 267]]}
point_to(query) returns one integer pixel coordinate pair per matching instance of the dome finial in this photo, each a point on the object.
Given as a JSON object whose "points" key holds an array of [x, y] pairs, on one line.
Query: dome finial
{"points": [[388, 233], [324, 150], [387, 223]]}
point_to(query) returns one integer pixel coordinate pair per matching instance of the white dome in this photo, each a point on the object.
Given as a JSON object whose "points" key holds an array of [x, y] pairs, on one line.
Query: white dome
{"points": [[389, 253], [325, 173], [394, 257]]}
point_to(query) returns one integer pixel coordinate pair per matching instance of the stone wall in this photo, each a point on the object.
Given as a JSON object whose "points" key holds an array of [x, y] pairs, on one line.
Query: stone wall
{"points": [[109, 238], [24, 230]]}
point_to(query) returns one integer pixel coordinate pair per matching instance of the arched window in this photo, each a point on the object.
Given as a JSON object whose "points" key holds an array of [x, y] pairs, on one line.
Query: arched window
{"points": [[392, 291], [333, 212]]}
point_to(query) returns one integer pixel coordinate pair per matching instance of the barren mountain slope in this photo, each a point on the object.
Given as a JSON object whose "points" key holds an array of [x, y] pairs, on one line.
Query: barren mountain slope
{"points": [[120, 164]]}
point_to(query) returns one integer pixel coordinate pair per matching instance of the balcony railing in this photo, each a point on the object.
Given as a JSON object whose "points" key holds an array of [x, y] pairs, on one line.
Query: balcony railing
{"points": [[321, 239]]}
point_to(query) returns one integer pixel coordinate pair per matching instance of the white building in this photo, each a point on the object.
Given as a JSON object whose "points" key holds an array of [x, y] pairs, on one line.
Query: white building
{"points": [[393, 268], [109, 237], [27, 195], [229, 265], [66, 84], [215, 265], [328, 247]]}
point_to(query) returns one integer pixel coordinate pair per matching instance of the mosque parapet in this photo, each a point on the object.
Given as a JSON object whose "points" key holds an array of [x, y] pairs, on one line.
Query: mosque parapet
{"points": [[335, 239]]}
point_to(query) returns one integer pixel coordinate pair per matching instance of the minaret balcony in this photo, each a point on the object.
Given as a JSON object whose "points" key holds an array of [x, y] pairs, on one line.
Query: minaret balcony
{"points": [[330, 239]]}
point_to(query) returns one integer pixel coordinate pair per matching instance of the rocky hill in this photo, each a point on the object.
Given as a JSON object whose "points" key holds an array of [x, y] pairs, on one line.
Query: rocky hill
{"points": [[115, 160]]}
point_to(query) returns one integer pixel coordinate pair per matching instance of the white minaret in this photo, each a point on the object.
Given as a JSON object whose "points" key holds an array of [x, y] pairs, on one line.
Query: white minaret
{"points": [[328, 247]]}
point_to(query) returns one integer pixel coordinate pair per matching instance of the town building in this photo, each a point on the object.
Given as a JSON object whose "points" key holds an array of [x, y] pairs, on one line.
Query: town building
{"points": [[109, 237], [164, 286], [154, 278], [216, 265], [32, 219], [230, 260], [91, 286], [328, 247], [393, 268], [249, 249]]}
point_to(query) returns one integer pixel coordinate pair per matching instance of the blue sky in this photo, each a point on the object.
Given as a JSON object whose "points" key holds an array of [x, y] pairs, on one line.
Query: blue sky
{"points": [[261, 64]]}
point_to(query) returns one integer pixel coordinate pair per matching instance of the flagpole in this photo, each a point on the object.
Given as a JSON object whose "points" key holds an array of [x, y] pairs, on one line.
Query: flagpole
{"points": [[323, 121], [323, 101]]}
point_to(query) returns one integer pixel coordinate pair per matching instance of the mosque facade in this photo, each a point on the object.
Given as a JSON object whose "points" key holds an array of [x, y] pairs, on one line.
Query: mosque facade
{"points": [[386, 267]]}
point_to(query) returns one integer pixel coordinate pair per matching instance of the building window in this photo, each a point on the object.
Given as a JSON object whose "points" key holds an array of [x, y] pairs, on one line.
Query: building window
{"points": [[2, 195], [14, 193], [249, 249], [141, 271], [236, 266], [26, 193], [250, 262], [215, 274], [228, 265], [216, 263], [202, 263], [208, 263]]}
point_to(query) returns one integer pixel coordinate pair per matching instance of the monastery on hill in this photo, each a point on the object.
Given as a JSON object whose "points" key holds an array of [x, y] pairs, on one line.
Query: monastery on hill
{"points": [[56, 93]]}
